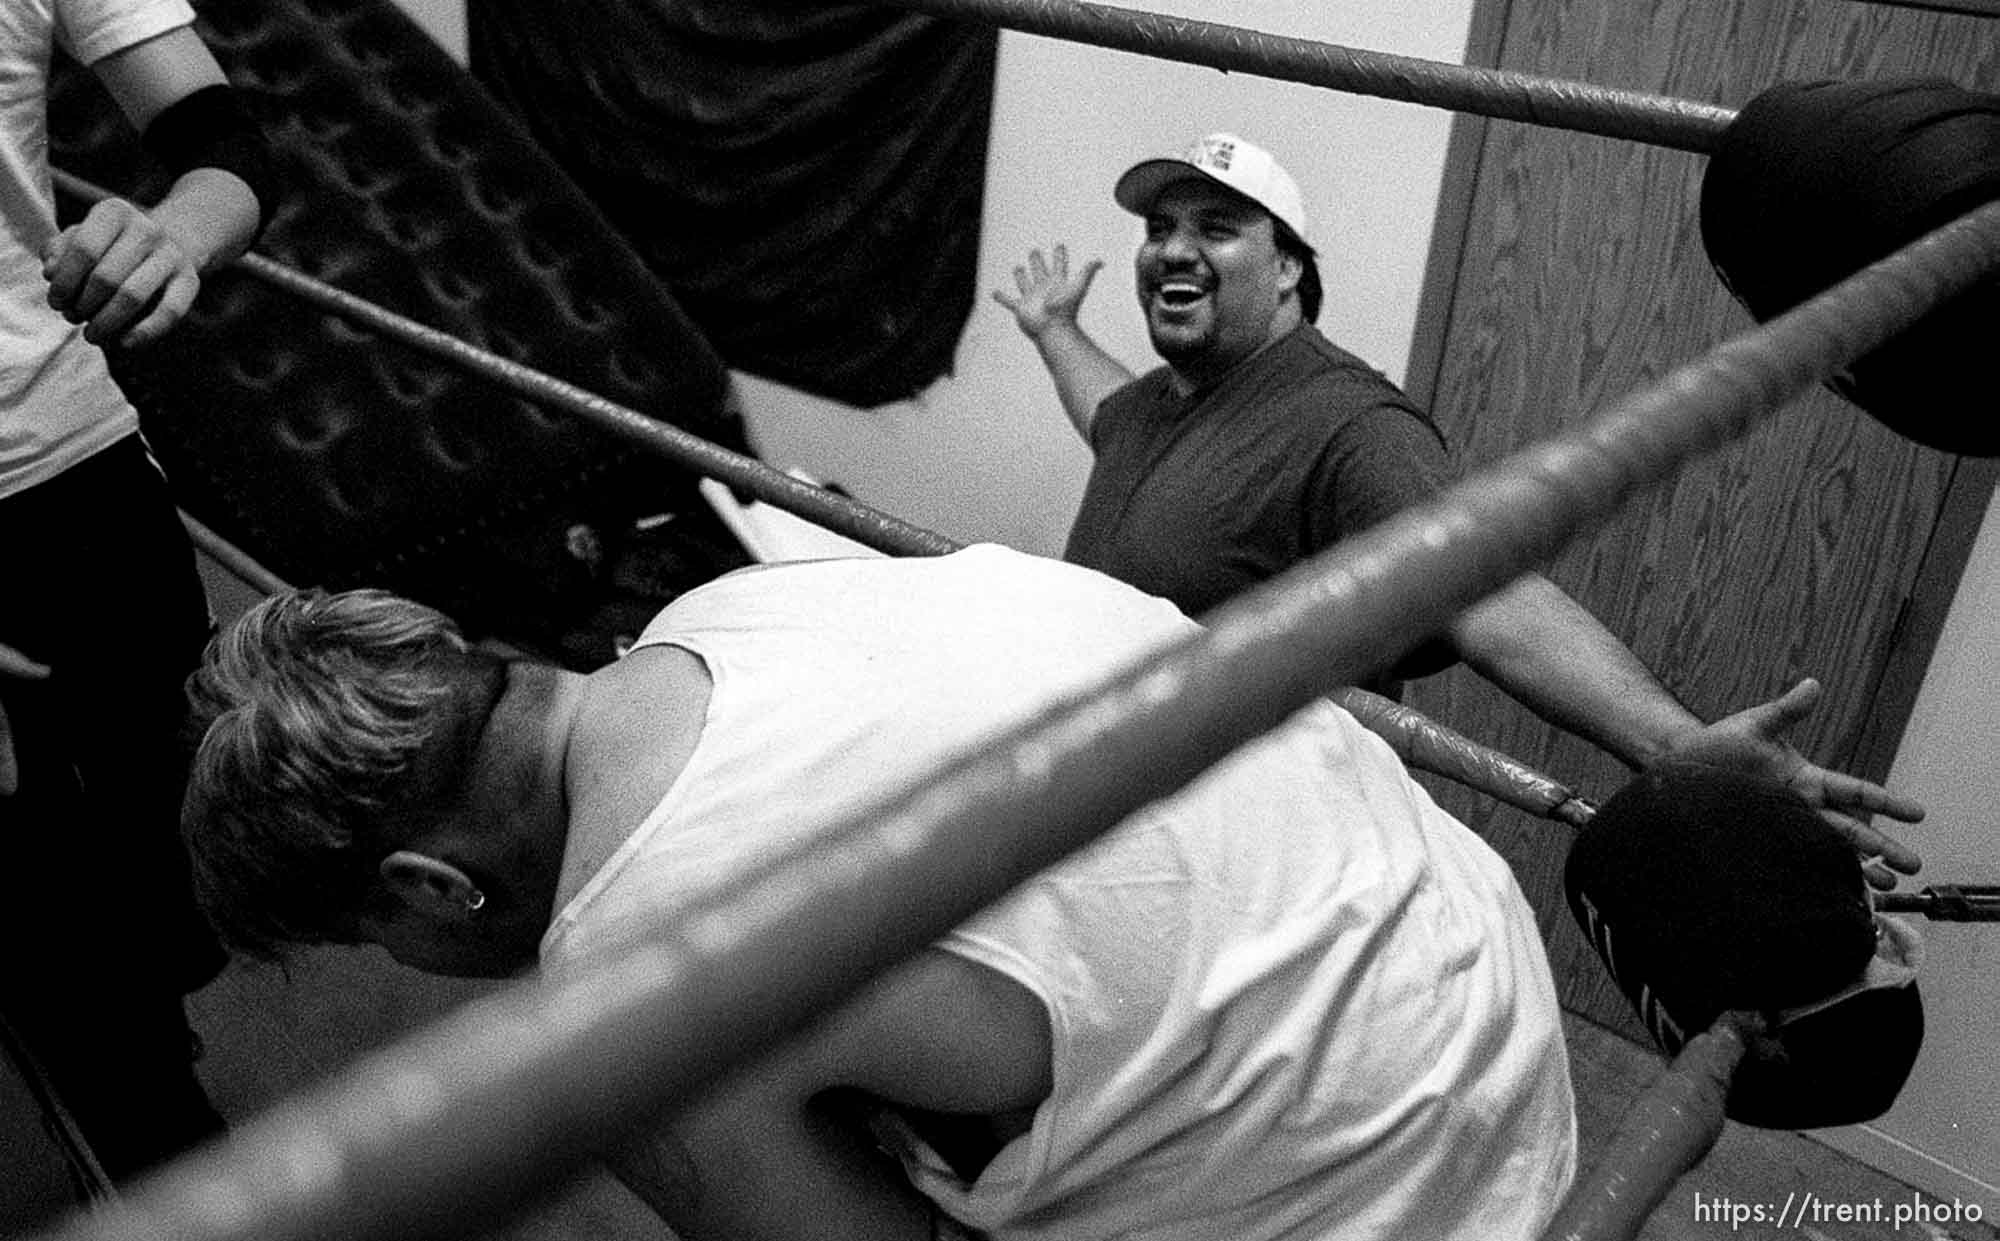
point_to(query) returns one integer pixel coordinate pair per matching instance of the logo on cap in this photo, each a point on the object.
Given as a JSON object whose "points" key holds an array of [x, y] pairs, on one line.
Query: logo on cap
{"points": [[1237, 163]]}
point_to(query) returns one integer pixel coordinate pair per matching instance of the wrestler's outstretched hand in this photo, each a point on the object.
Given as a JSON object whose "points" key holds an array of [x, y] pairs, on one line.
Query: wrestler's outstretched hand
{"points": [[1754, 740], [1045, 294]]}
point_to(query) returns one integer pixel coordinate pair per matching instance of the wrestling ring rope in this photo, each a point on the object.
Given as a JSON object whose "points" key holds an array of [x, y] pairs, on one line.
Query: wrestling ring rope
{"points": [[857, 521], [448, 1131], [1577, 106]]}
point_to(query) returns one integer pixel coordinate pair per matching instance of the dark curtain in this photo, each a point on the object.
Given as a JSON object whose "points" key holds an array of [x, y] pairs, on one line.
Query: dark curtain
{"points": [[808, 181]]}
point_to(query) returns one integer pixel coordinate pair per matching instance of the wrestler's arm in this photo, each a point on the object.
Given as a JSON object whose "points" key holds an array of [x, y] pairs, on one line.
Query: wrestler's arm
{"points": [[129, 273], [1045, 304], [1553, 656], [765, 1155]]}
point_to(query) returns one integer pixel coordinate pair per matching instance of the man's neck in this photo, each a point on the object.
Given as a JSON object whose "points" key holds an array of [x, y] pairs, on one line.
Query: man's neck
{"points": [[1191, 377], [636, 725], [535, 718]]}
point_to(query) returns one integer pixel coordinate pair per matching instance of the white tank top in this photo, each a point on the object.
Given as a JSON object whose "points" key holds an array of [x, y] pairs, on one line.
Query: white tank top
{"points": [[1296, 1000]]}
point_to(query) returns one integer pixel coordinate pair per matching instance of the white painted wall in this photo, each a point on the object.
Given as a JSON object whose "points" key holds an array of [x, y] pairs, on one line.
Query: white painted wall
{"points": [[985, 453], [1943, 1135], [444, 19]]}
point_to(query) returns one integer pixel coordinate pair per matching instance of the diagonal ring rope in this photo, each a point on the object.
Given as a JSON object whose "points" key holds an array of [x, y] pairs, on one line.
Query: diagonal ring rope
{"points": [[857, 521]]}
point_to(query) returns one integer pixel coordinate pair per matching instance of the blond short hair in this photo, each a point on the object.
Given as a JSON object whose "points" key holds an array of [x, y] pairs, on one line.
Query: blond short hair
{"points": [[325, 720]]}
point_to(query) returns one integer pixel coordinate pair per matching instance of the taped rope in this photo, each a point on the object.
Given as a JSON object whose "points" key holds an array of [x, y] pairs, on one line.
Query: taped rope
{"points": [[1677, 123], [1667, 1131], [445, 1133], [1426, 745]]}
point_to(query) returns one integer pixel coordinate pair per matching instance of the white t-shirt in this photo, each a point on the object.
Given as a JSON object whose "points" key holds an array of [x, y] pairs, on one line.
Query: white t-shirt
{"points": [[58, 403], [1295, 1000]]}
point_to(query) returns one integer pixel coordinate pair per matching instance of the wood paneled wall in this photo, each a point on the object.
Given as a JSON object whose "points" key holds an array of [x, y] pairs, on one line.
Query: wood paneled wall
{"points": [[1582, 276]]}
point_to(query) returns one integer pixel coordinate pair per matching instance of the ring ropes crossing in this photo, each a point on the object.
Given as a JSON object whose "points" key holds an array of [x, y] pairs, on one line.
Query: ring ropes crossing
{"points": [[457, 1126]]}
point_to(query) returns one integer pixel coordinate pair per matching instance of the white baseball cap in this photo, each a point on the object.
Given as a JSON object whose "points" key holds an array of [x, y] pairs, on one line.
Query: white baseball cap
{"points": [[1235, 162]]}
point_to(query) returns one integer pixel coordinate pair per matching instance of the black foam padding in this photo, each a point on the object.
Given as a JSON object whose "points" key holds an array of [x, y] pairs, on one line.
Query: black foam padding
{"points": [[1844, 1065], [342, 459], [1707, 891], [1815, 180], [1713, 891]]}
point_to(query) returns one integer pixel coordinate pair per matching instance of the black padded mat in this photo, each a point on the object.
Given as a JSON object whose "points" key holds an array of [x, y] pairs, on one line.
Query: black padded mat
{"points": [[342, 459]]}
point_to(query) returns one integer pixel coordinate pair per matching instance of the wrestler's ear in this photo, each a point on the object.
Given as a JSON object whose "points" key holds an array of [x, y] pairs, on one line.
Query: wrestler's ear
{"points": [[430, 885], [1291, 270]]}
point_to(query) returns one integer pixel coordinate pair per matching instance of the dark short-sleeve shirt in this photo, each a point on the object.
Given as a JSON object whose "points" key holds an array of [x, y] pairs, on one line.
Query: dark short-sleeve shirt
{"points": [[1199, 497]]}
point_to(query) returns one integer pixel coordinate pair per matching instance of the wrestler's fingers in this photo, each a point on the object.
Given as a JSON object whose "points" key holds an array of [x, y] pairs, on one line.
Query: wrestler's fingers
{"points": [[167, 309], [76, 251], [1862, 798], [1775, 719], [1871, 843], [1879, 875]]}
